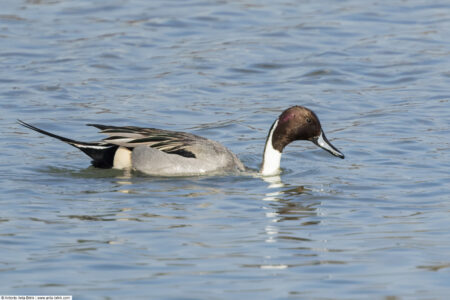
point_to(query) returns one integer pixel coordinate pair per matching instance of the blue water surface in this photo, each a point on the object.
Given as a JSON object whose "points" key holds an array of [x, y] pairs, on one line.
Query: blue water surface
{"points": [[375, 225]]}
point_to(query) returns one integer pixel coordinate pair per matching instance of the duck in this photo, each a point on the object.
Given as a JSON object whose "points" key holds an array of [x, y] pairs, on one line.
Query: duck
{"points": [[160, 152]]}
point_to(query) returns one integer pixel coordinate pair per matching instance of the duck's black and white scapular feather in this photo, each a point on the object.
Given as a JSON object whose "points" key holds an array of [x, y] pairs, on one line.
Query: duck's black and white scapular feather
{"points": [[172, 153], [172, 142]]}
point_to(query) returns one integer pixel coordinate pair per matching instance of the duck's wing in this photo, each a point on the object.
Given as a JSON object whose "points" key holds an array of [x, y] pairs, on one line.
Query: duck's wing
{"points": [[173, 142]]}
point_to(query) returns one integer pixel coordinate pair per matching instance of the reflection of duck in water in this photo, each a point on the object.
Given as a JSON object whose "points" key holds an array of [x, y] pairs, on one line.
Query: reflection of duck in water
{"points": [[285, 206], [283, 200], [288, 208], [171, 153]]}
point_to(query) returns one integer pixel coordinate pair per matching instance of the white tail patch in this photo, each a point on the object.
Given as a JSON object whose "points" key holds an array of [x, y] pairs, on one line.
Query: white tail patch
{"points": [[122, 158]]}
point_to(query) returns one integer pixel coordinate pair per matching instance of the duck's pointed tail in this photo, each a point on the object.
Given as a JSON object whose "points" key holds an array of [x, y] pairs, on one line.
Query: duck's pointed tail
{"points": [[102, 154]]}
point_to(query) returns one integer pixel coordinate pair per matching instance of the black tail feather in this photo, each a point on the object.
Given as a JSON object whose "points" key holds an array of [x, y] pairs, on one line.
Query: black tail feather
{"points": [[102, 154], [61, 138]]}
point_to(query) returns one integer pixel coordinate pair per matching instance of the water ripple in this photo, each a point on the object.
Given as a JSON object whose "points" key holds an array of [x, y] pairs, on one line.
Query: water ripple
{"points": [[370, 226]]}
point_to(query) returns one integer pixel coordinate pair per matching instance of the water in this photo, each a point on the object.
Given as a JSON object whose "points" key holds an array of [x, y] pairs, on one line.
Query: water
{"points": [[374, 225]]}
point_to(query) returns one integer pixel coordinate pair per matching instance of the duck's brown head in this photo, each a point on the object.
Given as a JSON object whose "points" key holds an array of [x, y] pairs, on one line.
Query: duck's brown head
{"points": [[300, 123]]}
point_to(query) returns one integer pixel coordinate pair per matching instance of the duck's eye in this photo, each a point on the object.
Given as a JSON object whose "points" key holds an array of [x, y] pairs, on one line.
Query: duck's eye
{"points": [[308, 120]]}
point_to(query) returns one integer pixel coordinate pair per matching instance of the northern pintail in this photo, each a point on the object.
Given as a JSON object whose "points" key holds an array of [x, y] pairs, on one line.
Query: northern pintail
{"points": [[171, 153]]}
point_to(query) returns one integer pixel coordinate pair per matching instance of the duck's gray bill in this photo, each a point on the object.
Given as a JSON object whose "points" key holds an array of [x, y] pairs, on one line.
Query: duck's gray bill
{"points": [[323, 143]]}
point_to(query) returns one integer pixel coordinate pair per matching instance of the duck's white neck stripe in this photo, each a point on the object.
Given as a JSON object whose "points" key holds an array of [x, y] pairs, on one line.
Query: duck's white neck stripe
{"points": [[272, 157]]}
